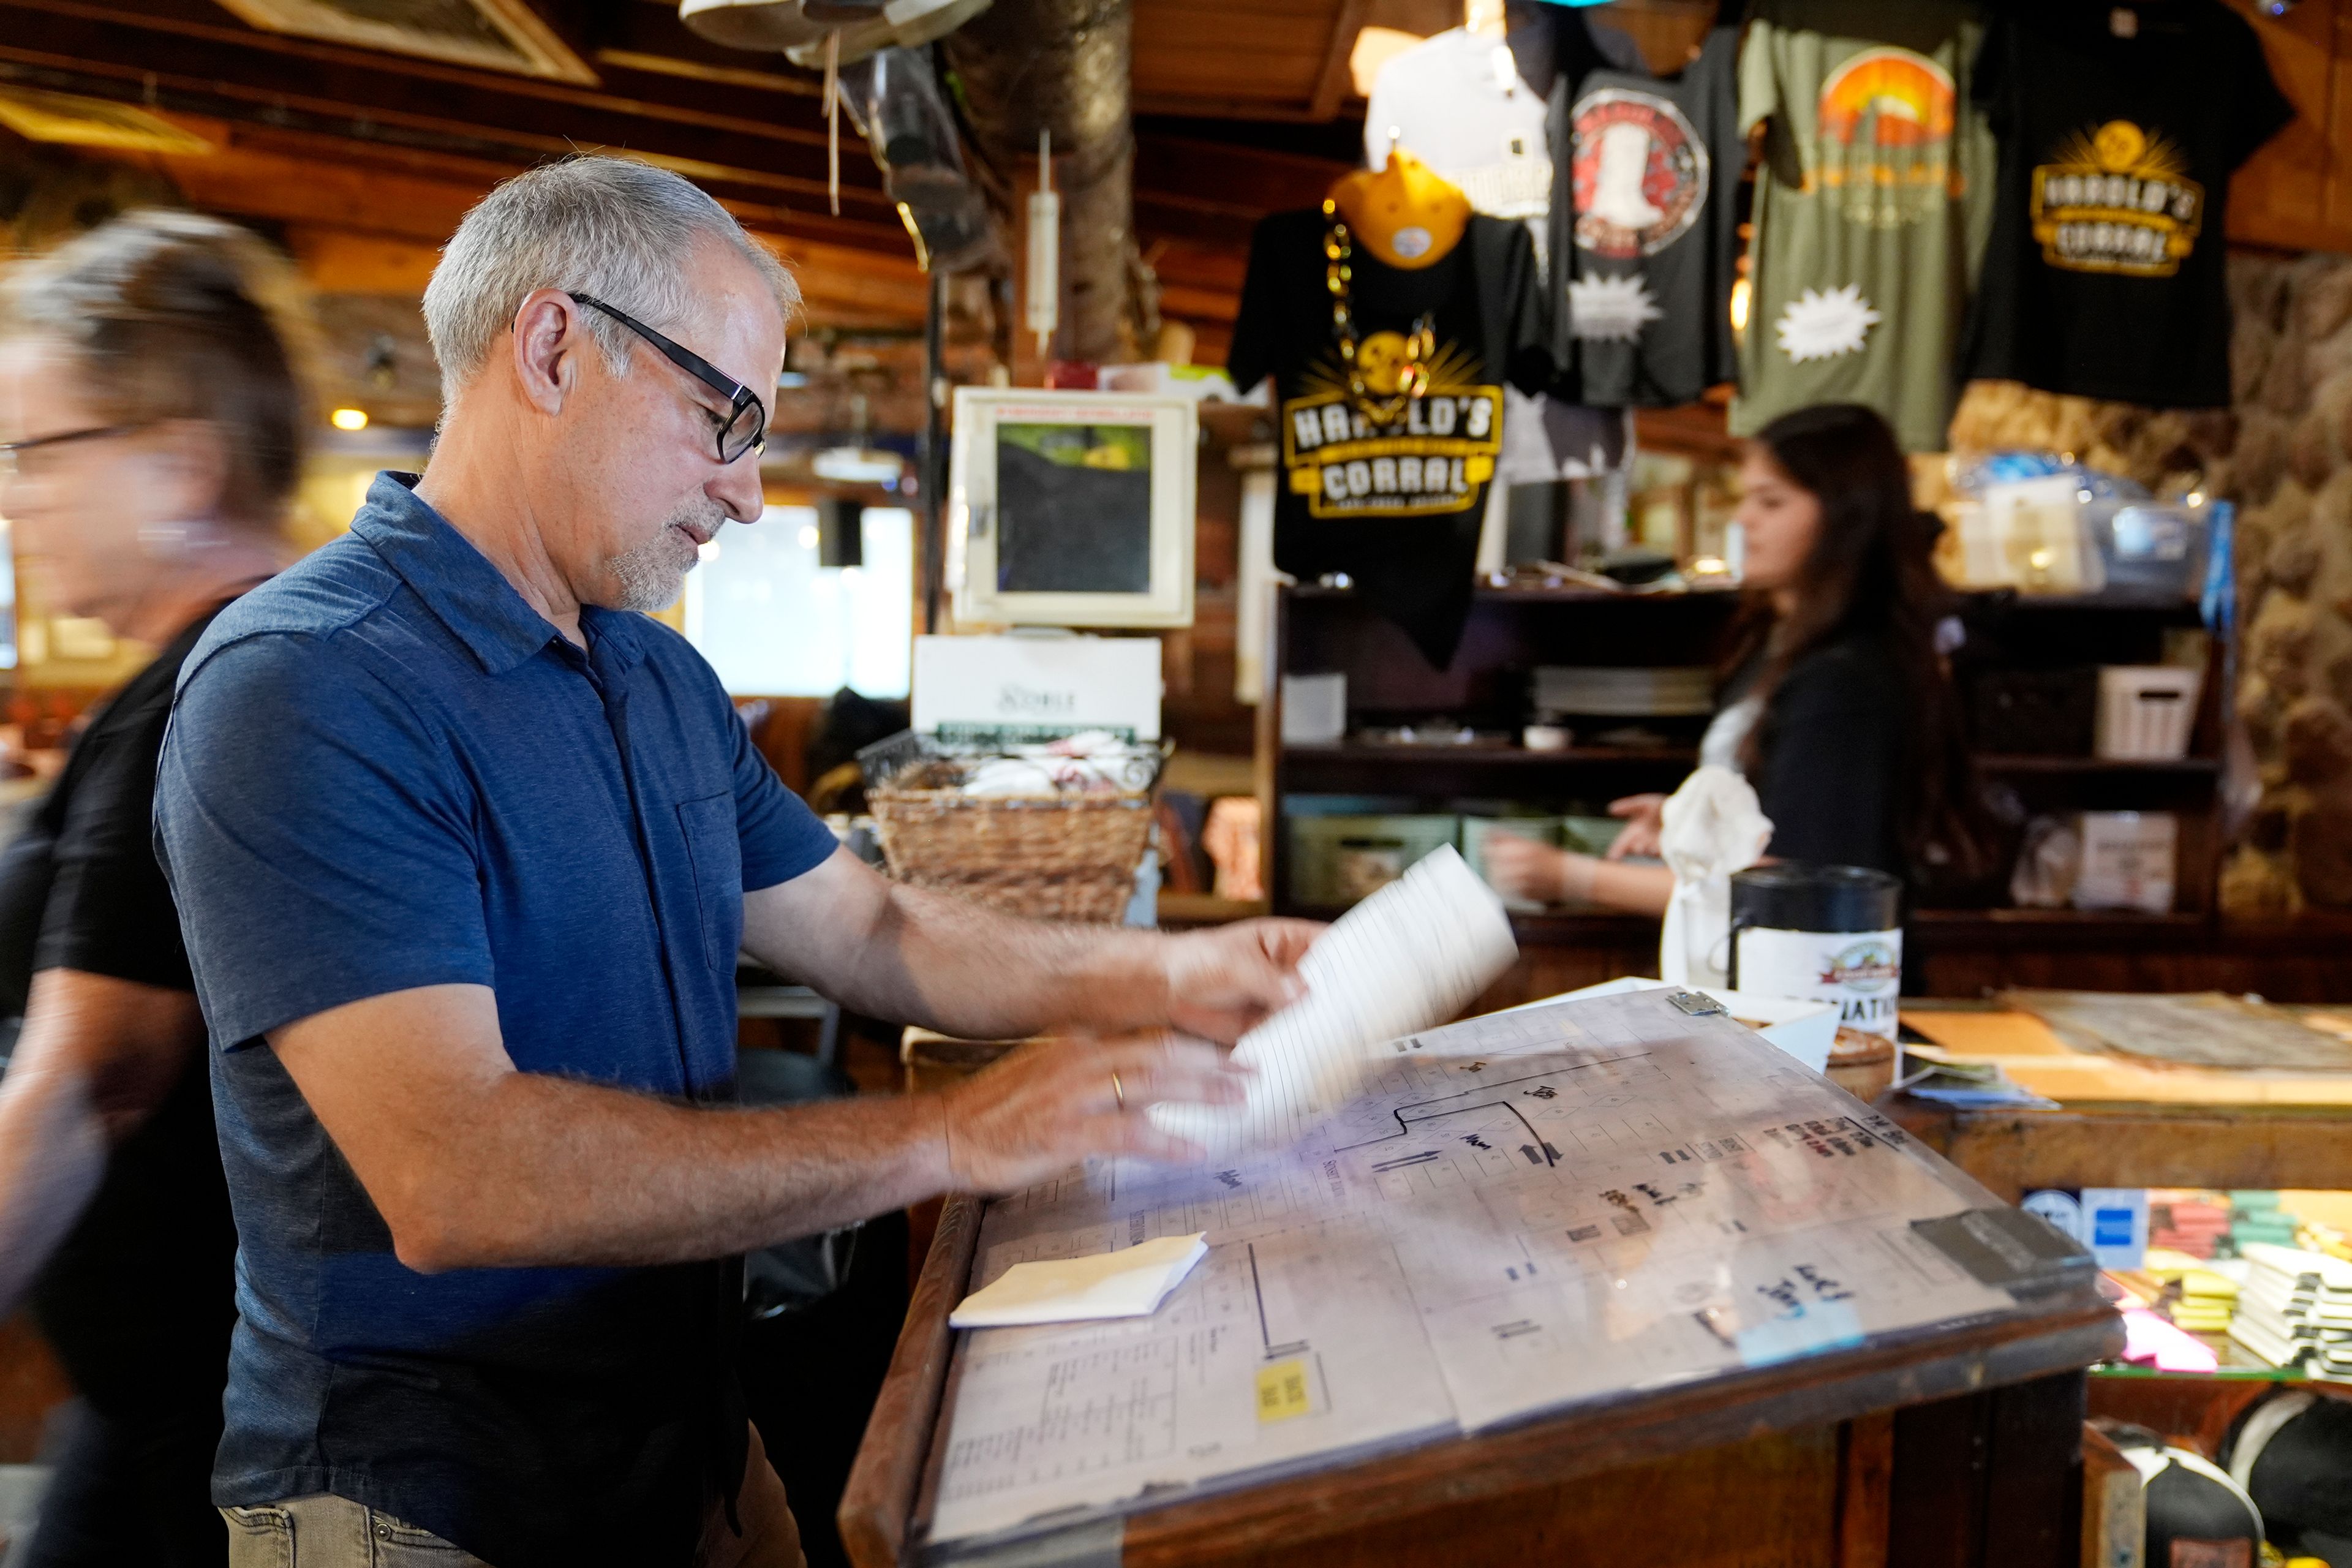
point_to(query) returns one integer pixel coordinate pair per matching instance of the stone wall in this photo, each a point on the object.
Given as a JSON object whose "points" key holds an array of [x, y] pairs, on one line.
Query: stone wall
{"points": [[2284, 454], [2291, 358]]}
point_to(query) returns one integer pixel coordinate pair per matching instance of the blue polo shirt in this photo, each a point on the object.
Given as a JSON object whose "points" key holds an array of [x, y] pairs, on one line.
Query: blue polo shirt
{"points": [[385, 770]]}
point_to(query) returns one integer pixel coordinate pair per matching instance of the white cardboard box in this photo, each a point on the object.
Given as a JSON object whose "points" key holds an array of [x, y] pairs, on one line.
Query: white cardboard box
{"points": [[1065, 683]]}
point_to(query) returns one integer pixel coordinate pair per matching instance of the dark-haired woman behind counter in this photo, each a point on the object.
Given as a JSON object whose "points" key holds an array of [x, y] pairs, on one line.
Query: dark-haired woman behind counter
{"points": [[1836, 706]]}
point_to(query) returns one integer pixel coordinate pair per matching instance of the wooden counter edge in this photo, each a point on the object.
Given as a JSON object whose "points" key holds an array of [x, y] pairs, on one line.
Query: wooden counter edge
{"points": [[878, 1505], [2013, 1149], [880, 1496], [1577, 1443]]}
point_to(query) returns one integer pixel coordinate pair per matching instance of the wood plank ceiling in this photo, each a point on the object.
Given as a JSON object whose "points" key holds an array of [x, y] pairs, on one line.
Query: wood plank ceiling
{"points": [[364, 159]]}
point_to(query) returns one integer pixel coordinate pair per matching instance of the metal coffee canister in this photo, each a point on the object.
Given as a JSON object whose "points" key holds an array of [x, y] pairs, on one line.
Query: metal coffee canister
{"points": [[1833, 933]]}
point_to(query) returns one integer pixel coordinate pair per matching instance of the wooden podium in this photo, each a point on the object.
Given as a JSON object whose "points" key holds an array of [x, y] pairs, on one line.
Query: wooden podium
{"points": [[1954, 1448]]}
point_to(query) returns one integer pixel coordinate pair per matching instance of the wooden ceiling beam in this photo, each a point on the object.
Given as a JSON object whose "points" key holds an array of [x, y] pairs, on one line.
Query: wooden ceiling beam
{"points": [[211, 70], [1212, 177], [1337, 83], [370, 229], [632, 40], [751, 110]]}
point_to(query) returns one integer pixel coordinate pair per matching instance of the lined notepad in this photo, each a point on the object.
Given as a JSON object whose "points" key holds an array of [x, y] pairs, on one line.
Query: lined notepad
{"points": [[1129, 1283]]}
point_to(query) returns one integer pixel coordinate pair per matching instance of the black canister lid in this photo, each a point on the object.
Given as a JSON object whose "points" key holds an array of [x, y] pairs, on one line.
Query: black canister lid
{"points": [[1794, 896]]}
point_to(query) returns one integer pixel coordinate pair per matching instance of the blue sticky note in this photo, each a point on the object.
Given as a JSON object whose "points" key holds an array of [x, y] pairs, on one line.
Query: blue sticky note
{"points": [[1811, 1330]]}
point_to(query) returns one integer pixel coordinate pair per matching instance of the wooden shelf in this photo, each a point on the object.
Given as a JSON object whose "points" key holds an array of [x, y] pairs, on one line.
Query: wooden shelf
{"points": [[1487, 756], [1205, 908], [1561, 595], [2044, 928], [1551, 928], [2139, 604], [2018, 764], [1479, 770]]}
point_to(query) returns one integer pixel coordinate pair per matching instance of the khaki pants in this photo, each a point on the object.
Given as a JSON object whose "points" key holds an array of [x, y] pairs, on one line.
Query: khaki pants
{"points": [[327, 1531]]}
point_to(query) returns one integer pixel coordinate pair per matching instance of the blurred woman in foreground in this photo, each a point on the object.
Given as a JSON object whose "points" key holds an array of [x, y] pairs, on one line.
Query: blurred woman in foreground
{"points": [[152, 421], [1836, 706]]}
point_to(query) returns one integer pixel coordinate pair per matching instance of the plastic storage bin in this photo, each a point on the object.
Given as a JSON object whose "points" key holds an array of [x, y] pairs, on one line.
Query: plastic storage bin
{"points": [[1337, 860], [2034, 712], [2145, 711], [2152, 549]]}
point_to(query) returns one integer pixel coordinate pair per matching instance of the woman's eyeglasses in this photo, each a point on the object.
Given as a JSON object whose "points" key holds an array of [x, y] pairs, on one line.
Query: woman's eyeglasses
{"points": [[745, 427], [11, 462]]}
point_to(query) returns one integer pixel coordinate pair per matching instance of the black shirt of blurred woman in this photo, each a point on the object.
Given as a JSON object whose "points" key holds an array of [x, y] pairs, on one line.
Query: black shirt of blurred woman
{"points": [[139, 1299], [1853, 736]]}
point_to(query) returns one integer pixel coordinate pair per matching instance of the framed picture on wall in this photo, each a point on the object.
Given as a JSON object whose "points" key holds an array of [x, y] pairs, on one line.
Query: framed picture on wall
{"points": [[1072, 508]]}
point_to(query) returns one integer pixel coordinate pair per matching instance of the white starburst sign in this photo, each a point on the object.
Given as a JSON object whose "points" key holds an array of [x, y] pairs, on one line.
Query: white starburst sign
{"points": [[1818, 325], [1611, 309]]}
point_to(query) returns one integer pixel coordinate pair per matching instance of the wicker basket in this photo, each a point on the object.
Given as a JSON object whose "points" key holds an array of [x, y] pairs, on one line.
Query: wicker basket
{"points": [[1057, 857]]}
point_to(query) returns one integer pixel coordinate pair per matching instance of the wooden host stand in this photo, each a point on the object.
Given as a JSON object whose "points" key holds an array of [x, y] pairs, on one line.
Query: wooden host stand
{"points": [[1955, 1448], [2121, 1124]]}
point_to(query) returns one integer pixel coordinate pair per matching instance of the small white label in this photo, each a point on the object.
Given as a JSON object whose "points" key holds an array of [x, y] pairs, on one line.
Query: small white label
{"points": [[1861, 971], [2124, 22], [1410, 243]]}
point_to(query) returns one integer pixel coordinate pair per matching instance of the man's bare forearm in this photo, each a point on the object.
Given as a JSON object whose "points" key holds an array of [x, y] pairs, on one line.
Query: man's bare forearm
{"points": [[963, 969], [544, 1170]]}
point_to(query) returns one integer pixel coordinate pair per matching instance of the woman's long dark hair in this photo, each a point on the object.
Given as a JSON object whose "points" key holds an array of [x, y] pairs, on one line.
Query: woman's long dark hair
{"points": [[1870, 575]]}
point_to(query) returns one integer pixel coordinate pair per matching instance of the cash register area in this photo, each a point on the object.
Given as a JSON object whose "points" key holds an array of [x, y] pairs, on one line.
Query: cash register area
{"points": [[1247, 459]]}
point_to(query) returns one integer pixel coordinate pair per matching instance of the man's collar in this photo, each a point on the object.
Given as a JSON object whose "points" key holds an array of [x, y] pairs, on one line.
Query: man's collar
{"points": [[458, 585]]}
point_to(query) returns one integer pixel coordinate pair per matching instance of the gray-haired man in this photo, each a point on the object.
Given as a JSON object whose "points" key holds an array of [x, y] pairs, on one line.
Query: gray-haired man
{"points": [[464, 853]]}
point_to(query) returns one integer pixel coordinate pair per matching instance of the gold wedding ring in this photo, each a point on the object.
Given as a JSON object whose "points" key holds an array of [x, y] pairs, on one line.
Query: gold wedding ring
{"points": [[1117, 1089]]}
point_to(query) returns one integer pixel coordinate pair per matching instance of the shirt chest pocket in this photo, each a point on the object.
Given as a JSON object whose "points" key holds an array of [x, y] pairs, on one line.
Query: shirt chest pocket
{"points": [[717, 856]]}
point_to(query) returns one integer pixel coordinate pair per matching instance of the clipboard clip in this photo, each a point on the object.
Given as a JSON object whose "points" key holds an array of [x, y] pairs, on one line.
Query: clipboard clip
{"points": [[1698, 1004]]}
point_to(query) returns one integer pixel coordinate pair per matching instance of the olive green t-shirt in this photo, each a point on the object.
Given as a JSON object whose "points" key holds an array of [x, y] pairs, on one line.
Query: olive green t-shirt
{"points": [[1871, 208]]}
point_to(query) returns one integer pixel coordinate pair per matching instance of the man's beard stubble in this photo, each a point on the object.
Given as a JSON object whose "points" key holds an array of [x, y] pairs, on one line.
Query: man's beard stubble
{"points": [[651, 576]]}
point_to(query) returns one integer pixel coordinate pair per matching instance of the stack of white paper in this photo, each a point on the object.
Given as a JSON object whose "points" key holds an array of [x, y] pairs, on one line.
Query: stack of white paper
{"points": [[2295, 1306], [1409, 958], [1130, 1283]]}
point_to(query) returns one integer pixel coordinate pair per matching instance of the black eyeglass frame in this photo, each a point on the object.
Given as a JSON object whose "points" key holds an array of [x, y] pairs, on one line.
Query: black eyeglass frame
{"points": [[10, 449], [739, 397]]}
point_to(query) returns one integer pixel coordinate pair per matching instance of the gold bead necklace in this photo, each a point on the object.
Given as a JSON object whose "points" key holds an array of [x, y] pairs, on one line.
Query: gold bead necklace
{"points": [[1420, 345]]}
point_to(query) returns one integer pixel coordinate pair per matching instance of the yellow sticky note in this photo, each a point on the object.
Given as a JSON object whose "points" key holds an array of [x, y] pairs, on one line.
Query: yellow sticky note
{"points": [[1282, 1392]]}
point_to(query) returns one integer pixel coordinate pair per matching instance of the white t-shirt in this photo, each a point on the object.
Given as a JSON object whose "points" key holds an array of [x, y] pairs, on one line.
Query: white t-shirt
{"points": [[1719, 747], [1455, 101]]}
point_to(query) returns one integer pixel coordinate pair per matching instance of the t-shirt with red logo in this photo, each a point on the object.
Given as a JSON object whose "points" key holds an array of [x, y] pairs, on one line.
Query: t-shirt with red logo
{"points": [[1644, 219], [1872, 206], [2119, 126]]}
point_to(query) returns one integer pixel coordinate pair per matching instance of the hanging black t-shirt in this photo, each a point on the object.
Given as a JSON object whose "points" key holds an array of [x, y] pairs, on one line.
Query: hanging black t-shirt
{"points": [[1644, 215], [1395, 505], [139, 1299], [2119, 130]]}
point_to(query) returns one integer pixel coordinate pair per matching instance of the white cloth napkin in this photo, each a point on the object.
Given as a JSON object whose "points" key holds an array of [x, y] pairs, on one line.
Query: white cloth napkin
{"points": [[1712, 827]]}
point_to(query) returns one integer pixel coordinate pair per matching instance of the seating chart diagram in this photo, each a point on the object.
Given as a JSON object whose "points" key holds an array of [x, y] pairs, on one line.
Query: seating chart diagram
{"points": [[1517, 1214]]}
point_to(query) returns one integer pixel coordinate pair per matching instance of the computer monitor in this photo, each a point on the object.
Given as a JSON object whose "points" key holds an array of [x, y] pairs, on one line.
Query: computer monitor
{"points": [[1072, 508]]}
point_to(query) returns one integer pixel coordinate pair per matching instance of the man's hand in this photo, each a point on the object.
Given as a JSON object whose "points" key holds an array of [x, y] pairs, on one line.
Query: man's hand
{"points": [[1047, 1106], [1223, 982]]}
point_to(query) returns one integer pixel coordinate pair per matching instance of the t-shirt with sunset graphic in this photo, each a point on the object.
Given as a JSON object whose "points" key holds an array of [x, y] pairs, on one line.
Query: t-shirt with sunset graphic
{"points": [[1872, 207]]}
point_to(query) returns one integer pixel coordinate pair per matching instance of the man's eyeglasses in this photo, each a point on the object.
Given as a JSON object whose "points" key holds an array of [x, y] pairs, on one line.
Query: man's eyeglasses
{"points": [[745, 427], [11, 462]]}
